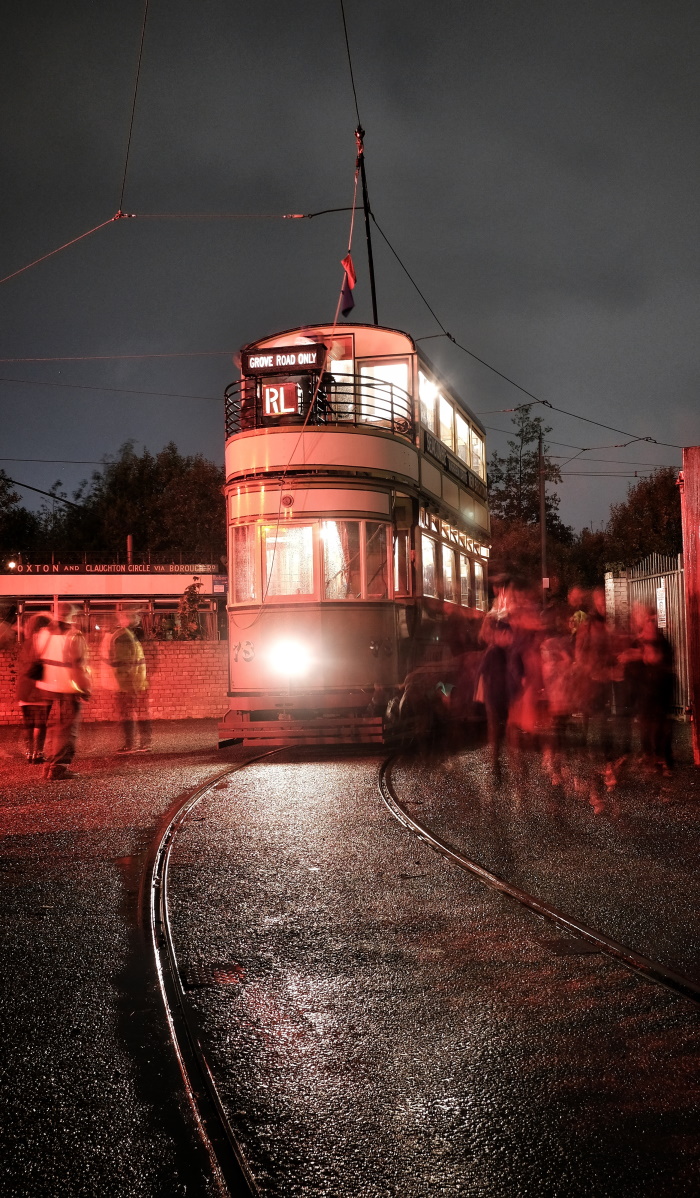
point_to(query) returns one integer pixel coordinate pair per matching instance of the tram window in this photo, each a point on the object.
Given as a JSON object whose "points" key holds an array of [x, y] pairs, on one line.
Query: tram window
{"points": [[342, 576], [427, 392], [376, 561], [429, 566], [446, 422], [383, 391], [480, 597], [464, 580], [462, 438], [402, 563], [289, 560], [244, 562], [477, 453], [449, 575]]}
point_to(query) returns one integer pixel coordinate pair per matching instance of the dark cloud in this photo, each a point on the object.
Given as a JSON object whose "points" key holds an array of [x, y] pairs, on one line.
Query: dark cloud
{"points": [[535, 166]]}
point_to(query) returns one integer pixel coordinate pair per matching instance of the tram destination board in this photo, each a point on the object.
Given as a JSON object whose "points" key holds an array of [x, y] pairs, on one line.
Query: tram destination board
{"points": [[274, 359], [466, 476]]}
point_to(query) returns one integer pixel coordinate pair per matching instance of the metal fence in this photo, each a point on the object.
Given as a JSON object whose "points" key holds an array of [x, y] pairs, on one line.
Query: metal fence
{"points": [[658, 583], [350, 399]]}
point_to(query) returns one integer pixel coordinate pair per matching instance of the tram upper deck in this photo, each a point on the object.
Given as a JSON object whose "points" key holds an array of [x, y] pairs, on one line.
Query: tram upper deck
{"points": [[379, 405]]}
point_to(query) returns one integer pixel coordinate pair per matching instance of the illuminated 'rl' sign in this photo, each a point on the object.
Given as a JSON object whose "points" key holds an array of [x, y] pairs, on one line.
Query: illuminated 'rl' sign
{"points": [[281, 400]]}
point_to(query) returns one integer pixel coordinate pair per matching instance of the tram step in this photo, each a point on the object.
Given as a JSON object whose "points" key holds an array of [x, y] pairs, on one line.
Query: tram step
{"points": [[361, 730]]}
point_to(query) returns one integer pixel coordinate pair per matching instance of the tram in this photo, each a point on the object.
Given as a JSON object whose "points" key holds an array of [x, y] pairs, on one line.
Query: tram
{"points": [[358, 530]]}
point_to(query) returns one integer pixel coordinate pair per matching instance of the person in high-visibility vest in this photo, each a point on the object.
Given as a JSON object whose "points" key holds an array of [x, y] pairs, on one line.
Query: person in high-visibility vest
{"points": [[66, 682], [126, 657]]}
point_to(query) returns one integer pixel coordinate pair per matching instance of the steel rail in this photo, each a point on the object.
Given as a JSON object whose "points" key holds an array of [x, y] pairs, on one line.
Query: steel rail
{"points": [[652, 971], [227, 1163]]}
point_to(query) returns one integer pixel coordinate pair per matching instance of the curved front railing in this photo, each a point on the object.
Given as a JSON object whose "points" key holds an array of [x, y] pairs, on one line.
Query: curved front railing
{"points": [[356, 400]]}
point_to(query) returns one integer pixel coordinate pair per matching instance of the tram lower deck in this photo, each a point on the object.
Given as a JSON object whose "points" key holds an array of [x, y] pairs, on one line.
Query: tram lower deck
{"points": [[357, 530]]}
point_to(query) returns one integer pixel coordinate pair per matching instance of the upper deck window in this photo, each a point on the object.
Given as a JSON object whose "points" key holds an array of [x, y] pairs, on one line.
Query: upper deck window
{"points": [[384, 388], [446, 416], [427, 394], [478, 454]]}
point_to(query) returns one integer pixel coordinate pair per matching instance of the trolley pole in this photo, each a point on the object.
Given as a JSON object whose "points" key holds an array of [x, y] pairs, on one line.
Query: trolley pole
{"points": [[359, 135], [543, 524], [690, 513]]}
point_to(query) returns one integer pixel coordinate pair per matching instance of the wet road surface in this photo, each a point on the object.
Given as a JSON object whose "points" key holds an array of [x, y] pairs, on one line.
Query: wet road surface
{"points": [[390, 1027], [90, 1095]]}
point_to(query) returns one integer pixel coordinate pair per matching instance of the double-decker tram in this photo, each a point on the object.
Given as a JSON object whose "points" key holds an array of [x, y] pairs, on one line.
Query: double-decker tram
{"points": [[358, 530]]}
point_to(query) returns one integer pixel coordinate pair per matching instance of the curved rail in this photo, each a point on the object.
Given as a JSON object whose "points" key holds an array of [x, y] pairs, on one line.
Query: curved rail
{"points": [[228, 1166], [357, 400], [651, 970]]}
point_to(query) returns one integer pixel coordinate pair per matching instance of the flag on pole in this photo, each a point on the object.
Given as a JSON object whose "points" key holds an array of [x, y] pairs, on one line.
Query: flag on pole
{"points": [[347, 303]]}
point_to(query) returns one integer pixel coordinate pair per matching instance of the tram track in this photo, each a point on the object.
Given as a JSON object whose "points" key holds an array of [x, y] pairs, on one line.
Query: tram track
{"points": [[227, 1165], [645, 967]]}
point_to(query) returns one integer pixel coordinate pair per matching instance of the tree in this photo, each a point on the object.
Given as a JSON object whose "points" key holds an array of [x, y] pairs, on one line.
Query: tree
{"points": [[514, 480], [648, 521], [171, 504], [19, 528]]}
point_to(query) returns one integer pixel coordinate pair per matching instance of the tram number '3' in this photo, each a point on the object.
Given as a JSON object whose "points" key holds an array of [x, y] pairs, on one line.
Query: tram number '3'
{"points": [[246, 650]]}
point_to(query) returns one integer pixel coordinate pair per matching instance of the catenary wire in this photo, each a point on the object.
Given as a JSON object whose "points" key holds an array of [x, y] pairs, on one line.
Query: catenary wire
{"points": [[133, 104], [58, 249], [352, 76], [118, 390], [57, 461], [204, 353], [535, 398], [61, 499]]}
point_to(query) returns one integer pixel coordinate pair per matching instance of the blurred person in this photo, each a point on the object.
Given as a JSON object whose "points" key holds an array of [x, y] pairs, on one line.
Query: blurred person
{"points": [[495, 686], [594, 658], [65, 682], [578, 614], [501, 585], [559, 691], [130, 683], [33, 702], [655, 699], [525, 718]]}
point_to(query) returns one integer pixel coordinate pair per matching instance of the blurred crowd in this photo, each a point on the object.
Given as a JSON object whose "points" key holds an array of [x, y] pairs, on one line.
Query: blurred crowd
{"points": [[556, 679]]}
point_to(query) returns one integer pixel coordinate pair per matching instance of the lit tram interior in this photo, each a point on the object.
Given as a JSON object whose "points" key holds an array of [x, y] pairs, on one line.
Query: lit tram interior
{"points": [[358, 532]]}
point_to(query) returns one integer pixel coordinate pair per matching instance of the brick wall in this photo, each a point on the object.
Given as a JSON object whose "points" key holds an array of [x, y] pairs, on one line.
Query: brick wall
{"points": [[187, 680]]}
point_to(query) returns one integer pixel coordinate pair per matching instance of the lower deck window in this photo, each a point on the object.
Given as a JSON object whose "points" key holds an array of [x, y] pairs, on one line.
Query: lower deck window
{"points": [[342, 574], [402, 563], [243, 546], [428, 554], [479, 588], [289, 560], [464, 580], [449, 575], [376, 561]]}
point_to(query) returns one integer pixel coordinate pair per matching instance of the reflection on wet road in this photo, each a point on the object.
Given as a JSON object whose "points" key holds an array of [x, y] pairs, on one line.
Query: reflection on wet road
{"points": [[382, 1025]]}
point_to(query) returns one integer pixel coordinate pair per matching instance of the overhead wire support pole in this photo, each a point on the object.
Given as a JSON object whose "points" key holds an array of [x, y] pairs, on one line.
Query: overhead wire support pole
{"points": [[359, 135], [543, 522]]}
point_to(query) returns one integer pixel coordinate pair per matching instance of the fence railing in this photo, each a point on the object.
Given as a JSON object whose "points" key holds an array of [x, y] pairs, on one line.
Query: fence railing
{"points": [[351, 400], [658, 583]]}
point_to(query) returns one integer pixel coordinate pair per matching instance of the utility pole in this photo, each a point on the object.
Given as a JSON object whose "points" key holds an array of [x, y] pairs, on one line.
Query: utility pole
{"points": [[690, 513], [543, 523], [359, 137]]}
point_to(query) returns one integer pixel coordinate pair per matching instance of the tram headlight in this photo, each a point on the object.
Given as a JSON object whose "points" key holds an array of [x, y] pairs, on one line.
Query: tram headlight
{"points": [[291, 658]]}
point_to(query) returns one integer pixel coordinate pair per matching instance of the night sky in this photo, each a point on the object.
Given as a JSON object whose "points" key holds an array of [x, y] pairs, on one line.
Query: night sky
{"points": [[534, 165]]}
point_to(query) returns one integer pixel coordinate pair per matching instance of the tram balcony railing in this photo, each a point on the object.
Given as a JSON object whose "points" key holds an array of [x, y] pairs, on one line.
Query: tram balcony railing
{"points": [[355, 400]]}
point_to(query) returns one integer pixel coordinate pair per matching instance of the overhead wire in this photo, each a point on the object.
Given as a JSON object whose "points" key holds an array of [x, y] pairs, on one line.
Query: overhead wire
{"points": [[133, 105], [61, 499], [117, 390], [530, 394], [205, 353]]}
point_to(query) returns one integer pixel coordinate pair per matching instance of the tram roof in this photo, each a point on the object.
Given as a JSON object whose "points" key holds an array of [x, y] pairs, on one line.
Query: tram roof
{"points": [[338, 330]]}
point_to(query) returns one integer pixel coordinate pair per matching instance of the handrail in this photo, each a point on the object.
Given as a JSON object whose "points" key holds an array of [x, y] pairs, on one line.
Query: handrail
{"points": [[356, 400]]}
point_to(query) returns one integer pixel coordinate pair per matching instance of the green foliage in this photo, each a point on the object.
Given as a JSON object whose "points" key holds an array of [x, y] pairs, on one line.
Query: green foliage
{"points": [[647, 521], [18, 527], [514, 479], [170, 503], [188, 611]]}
